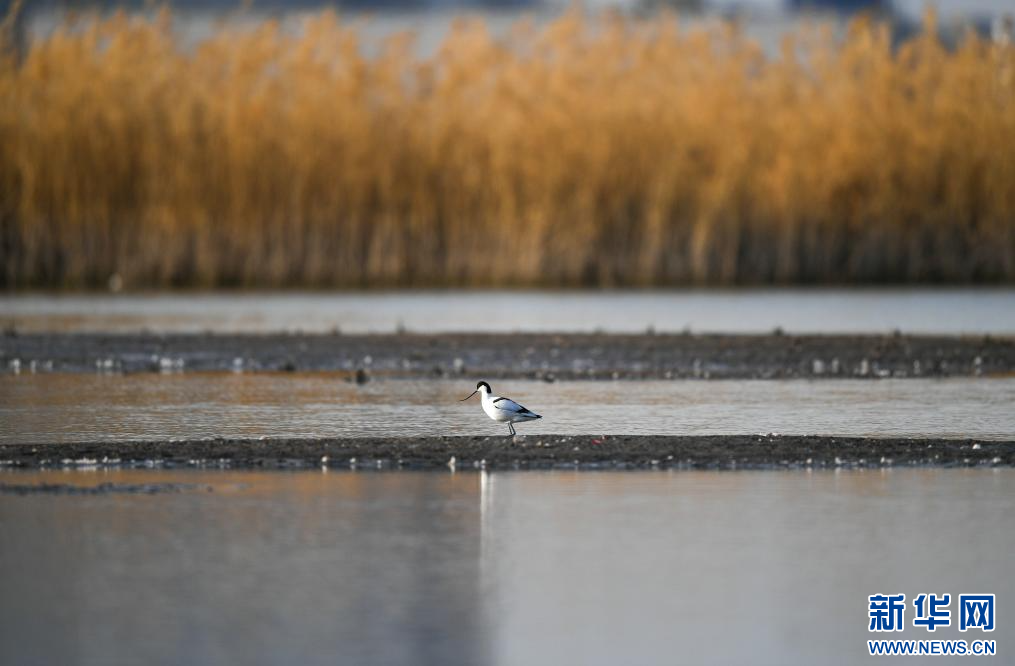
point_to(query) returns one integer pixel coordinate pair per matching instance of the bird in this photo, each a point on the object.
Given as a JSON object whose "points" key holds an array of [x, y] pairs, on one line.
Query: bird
{"points": [[503, 410]]}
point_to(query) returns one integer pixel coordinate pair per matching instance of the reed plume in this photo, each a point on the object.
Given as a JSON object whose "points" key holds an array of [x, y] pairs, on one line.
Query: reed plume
{"points": [[588, 152]]}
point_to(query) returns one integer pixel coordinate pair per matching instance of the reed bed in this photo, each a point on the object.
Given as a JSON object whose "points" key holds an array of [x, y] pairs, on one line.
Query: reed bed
{"points": [[587, 152]]}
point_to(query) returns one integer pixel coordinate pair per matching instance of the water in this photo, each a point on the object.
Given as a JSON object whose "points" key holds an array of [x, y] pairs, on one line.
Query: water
{"points": [[430, 23], [502, 568], [96, 407], [939, 311]]}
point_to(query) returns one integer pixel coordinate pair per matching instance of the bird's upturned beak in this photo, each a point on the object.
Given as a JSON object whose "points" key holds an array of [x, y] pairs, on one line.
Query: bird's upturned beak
{"points": [[469, 396]]}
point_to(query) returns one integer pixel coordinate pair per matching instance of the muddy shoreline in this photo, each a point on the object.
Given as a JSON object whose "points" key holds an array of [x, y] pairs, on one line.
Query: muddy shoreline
{"points": [[516, 355], [522, 452]]}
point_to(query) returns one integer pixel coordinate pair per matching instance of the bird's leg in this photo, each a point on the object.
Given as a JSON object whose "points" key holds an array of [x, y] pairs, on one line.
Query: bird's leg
{"points": [[512, 427]]}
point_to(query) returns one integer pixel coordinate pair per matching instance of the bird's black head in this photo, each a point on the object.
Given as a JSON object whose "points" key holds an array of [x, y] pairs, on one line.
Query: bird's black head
{"points": [[479, 387]]}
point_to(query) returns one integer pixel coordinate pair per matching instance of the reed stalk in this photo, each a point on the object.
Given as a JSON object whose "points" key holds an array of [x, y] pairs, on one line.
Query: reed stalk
{"points": [[588, 152]]}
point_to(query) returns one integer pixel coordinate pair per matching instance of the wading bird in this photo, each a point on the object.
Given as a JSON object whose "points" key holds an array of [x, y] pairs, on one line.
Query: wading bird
{"points": [[501, 409]]}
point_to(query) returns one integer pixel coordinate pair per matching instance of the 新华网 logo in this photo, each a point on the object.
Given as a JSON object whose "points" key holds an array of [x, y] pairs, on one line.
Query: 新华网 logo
{"points": [[887, 611]]}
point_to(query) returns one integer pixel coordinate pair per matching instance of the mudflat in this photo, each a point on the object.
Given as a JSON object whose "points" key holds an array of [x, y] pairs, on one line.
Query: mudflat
{"points": [[521, 452], [516, 355]]}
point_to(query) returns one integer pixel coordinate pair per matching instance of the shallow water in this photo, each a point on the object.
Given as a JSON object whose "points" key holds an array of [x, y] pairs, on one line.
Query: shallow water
{"points": [[501, 568], [94, 407], [942, 311]]}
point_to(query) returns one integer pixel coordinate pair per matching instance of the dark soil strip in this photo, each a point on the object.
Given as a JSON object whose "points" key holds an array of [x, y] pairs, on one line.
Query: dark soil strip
{"points": [[529, 452], [520, 355]]}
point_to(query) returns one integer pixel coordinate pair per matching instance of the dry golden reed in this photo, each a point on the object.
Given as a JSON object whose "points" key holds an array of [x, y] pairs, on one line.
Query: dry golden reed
{"points": [[585, 152]]}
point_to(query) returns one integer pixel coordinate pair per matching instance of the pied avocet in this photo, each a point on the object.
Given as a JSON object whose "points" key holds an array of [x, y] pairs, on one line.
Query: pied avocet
{"points": [[501, 409]]}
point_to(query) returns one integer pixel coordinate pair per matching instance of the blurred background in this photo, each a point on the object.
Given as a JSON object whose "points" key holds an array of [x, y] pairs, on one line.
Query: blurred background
{"points": [[510, 143]]}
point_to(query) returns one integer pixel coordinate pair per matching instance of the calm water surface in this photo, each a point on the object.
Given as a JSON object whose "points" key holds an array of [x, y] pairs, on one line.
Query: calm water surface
{"points": [[713, 310], [79, 407], [503, 568]]}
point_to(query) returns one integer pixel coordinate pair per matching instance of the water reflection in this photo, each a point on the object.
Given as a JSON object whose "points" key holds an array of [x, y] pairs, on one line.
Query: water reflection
{"points": [[973, 310], [729, 568], [268, 569], [501, 568], [72, 407]]}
